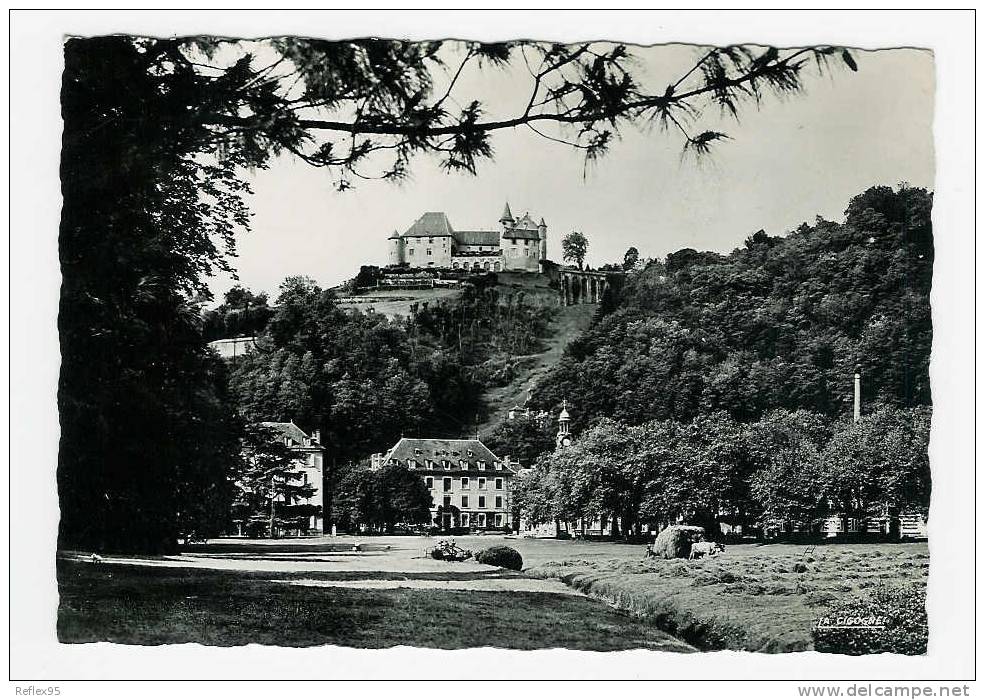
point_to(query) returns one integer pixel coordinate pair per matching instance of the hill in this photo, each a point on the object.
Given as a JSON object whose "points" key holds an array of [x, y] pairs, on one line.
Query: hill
{"points": [[779, 323]]}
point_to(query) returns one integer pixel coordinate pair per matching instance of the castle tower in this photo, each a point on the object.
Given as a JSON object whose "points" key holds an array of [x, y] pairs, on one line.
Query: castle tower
{"points": [[396, 249], [507, 219], [542, 231], [564, 426]]}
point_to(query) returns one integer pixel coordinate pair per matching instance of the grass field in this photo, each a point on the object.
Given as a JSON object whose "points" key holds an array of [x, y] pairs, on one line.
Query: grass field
{"points": [[130, 604], [598, 596], [755, 598]]}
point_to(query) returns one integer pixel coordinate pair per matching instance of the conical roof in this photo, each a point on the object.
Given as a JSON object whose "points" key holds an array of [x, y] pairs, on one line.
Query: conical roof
{"points": [[507, 214]]}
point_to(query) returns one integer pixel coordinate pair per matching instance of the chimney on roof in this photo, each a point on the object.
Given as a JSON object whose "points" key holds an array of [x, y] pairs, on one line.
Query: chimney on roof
{"points": [[316, 436]]}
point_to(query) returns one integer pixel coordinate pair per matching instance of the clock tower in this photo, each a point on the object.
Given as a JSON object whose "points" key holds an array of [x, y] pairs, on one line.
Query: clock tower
{"points": [[564, 426]]}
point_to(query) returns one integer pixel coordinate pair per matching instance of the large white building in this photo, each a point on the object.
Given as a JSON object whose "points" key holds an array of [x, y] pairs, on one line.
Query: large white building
{"points": [[518, 244], [470, 486]]}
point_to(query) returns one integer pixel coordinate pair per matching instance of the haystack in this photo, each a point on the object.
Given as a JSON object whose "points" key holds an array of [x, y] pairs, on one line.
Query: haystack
{"points": [[674, 542]]}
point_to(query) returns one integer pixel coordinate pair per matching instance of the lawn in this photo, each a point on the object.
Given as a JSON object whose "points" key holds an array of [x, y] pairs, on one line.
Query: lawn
{"points": [[131, 604], [755, 598]]}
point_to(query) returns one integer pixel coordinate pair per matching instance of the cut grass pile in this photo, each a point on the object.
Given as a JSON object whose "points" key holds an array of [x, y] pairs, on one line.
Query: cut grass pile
{"points": [[753, 598], [148, 605]]}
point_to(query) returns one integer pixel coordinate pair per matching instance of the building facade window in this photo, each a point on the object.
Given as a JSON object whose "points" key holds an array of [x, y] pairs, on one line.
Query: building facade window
{"points": [[482, 483], [481, 519], [446, 483], [499, 484], [429, 482], [465, 482], [499, 520], [499, 501], [465, 501], [446, 501], [465, 519], [482, 501]]}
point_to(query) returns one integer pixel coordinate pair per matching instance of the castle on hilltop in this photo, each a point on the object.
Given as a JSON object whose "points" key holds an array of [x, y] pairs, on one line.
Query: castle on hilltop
{"points": [[518, 244]]}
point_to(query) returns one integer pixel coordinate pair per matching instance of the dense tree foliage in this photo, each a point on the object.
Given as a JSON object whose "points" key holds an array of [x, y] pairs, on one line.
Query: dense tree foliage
{"points": [[242, 313], [382, 498], [523, 438], [777, 324], [364, 380], [793, 467], [148, 435]]}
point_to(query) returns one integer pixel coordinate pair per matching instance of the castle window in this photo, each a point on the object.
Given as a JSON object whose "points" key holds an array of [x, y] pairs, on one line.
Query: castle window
{"points": [[410, 251], [429, 251], [430, 239]]}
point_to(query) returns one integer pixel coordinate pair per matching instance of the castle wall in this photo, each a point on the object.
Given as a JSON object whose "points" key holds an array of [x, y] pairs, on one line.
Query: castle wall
{"points": [[428, 251], [521, 254]]}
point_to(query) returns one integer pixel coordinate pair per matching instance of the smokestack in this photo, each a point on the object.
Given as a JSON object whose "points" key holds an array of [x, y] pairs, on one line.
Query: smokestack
{"points": [[857, 407]]}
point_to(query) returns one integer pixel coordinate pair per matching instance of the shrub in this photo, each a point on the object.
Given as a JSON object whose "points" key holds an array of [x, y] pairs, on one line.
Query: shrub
{"points": [[674, 542], [799, 568], [505, 557], [899, 608]]}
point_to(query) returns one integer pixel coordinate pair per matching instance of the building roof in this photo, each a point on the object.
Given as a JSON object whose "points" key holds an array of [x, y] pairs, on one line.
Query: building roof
{"points": [[394, 234], [507, 214], [438, 449], [526, 222], [477, 237], [289, 430], [431, 223]]}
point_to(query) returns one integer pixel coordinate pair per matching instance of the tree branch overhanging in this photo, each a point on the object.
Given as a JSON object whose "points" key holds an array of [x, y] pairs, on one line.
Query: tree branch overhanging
{"points": [[379, 95]]}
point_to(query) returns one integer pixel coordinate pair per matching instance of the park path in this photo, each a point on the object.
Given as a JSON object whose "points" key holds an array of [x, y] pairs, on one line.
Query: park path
{"points": [[403, 563]]}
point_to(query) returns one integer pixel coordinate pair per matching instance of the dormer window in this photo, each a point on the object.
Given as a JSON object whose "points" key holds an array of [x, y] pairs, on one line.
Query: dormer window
{"points": [[417, 451], [482, 465]]}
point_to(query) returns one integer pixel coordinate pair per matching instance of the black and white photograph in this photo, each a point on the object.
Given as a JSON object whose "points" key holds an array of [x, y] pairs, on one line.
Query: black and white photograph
{"points": [[378, 343]]}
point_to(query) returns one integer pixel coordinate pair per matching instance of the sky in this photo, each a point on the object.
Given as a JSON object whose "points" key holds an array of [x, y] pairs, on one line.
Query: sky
{"points": [[786, 162]]}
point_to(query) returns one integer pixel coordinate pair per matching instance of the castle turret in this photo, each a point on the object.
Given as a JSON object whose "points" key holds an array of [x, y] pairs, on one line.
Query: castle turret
{"points": [[542, 231], [507, 218], [396, 249]]}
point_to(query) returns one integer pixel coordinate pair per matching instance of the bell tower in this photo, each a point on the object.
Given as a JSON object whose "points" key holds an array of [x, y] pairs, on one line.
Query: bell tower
{"points": [[564, 425]]}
